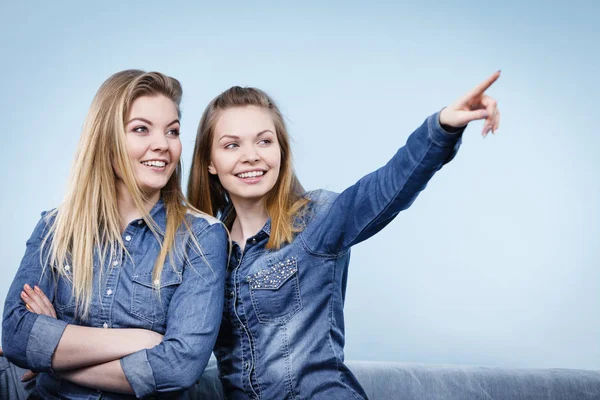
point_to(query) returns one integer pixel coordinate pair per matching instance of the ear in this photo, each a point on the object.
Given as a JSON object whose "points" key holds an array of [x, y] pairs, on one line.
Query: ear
{"points": [[212, 169]]}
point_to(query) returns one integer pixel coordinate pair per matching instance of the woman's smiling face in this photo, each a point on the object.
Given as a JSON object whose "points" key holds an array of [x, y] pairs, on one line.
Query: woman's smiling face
{"points": [[245, 152], [152, 139]]}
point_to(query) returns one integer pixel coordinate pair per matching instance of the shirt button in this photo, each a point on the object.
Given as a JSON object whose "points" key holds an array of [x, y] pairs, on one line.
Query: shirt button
{"points": [[232, 293], [156, 282], [253, 240], [115, 263], [247, 365], [67, 267], [128, 238], [105, 325], [109, 292], [141, 221]]}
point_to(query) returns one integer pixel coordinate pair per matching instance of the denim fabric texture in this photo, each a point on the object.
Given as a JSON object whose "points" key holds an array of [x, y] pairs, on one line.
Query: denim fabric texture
{"points": [[186, 310], [282, 334]]}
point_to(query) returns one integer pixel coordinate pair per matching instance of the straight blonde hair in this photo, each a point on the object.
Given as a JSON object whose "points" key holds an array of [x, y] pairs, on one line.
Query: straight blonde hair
{"points": [[87, 223], [285, 202]]}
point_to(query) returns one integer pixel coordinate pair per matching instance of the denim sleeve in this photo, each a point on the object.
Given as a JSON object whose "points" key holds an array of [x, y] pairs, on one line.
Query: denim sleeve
{"points": [[370, 204], [193, 320], [29, 340]]}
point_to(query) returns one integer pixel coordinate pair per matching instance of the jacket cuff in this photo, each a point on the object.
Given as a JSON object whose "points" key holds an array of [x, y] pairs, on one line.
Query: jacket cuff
{"points": [[43, 340], [139, 373], [439, 135]]}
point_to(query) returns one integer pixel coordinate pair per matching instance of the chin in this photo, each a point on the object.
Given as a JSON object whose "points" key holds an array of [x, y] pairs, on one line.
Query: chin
{"points": [[152, 189]]}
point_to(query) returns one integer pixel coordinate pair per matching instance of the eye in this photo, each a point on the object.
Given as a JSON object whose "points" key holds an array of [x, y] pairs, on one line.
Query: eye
{"points": [[231, 145], [140, 129], [173, 132], [265, 142]]}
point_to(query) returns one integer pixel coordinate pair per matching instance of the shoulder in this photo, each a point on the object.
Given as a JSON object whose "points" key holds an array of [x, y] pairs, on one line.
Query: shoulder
{"points": [[320, 199], [320, 195], [45, 223], [206, 226], [200, 221]]}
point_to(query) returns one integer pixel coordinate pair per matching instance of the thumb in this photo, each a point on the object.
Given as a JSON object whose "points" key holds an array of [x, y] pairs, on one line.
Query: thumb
{"points": [[27, 376]]}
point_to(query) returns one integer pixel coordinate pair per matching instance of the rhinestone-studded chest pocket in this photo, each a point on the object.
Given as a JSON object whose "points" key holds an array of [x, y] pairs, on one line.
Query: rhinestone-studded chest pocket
{"points": [[273, 277], [275, 292]]}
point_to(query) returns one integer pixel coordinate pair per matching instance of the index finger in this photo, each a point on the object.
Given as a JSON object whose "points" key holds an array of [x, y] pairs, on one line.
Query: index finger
{"points": [[46, 301], [482, 87]]}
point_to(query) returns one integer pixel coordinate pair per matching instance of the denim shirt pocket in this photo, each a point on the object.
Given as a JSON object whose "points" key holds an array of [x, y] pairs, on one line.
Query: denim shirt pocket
{"points": [[275, 292], [150, 299], [64, 301]]}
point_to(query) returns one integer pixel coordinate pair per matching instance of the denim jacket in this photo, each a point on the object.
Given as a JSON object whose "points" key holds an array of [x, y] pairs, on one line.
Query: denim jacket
{"points": [[186, 310], [282, 333]]}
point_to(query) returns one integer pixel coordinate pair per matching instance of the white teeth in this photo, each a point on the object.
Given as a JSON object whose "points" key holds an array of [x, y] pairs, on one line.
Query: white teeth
{"points": [[251, 174], [154, 163]]}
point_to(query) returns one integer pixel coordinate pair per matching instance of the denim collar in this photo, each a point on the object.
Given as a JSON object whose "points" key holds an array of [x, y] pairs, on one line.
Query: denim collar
{"points": [[157, 214]]}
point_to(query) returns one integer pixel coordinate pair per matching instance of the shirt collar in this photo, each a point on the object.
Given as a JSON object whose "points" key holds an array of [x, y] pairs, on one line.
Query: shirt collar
{"points": [[158, 215]]}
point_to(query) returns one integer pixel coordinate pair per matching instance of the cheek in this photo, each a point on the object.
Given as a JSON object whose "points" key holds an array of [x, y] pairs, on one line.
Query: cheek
{"points": [[135, 149], [175, 150], [222, 162], [277, 160]]}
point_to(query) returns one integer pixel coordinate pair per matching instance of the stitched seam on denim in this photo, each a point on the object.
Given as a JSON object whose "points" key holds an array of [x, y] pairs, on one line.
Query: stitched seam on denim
{"points": [[425, 153], [251, 257], [57, 304], [332, 284], [256, 375], [273, 269], [348, 387], [249, 336], [284, 318], [106, 315], [313, 253], [288, 364], [157, 317], [431, 121]]}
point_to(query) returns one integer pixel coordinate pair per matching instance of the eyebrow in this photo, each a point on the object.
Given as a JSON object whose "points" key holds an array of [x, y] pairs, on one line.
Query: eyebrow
{"points": [[144, 120], [237, 137]]}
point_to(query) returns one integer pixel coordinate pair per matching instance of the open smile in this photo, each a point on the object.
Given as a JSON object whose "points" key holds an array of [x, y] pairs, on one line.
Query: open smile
{"points": [[251, 176], [157, 165]]}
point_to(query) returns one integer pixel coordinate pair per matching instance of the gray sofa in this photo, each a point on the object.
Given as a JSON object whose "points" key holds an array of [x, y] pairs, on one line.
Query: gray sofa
{"points": [[407, 381]]}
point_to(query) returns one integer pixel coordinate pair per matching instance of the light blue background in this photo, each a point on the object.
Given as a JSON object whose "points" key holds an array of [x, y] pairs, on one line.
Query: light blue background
{"points": [[497, 262]]}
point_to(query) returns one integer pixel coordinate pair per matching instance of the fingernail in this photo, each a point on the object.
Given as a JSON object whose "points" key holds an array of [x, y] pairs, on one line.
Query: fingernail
{"points": [[27, 287], [499, 70], [24, 294], [37, 289]]}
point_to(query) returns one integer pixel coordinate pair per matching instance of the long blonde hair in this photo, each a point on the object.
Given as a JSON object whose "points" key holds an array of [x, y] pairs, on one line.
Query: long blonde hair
{"points": [[88, 221], [285, 202]]}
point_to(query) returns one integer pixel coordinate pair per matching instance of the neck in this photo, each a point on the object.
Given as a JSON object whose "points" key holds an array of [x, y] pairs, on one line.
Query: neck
{"points": [[127, 208], [251, 216]]}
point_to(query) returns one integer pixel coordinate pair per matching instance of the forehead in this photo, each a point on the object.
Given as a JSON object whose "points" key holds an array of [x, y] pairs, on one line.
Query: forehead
{"points": [[247, 120], [157, 108]]}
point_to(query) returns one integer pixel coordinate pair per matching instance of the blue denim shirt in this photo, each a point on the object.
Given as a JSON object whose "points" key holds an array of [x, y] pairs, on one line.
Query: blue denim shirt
{"points": [[282, 334], [187, 312]]}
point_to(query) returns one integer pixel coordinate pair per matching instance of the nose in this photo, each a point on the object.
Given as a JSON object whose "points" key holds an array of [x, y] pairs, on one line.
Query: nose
{"points": [[250, 155], [159, 143]]}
